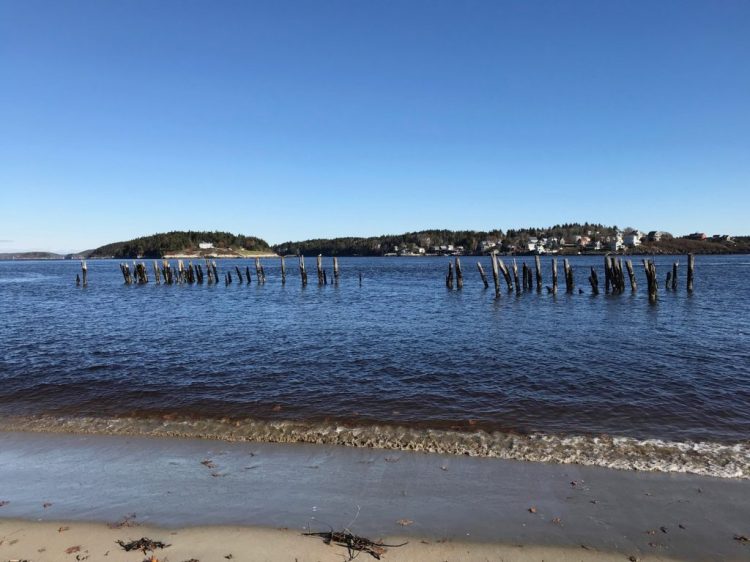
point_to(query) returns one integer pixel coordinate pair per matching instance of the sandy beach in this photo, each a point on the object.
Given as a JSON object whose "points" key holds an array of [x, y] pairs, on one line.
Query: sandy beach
{"points": [[254, 501], [65, 541]]}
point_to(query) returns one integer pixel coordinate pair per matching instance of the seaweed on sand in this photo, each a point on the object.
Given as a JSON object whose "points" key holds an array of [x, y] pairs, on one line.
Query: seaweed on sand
{"points": [[353, 543]]}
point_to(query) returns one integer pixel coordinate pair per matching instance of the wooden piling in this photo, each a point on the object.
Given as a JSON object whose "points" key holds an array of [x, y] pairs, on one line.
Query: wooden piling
{"points": [[319, 266], [538, 264], [621, 275], [248, 275], [568, 271], [495, 278], [482, 275], [515, 277], [239, 275], [505, 272], [283, 271], [216, 271], [631, 275], [668, 281], [157, 272], [594, 280], [302, 270], [653, 284], [85, 273], [675, 265], [449, 277], [459, 275], [690, 272], [336, 271], [525, 276], [360, 278], [78, 280], [554, 276], [607, 274]]}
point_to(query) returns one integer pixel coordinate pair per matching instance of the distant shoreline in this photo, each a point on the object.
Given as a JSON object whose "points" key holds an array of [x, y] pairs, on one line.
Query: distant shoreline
{"points": [[634, 253]]}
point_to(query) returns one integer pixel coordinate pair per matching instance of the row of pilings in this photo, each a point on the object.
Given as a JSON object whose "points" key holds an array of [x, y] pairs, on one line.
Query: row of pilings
{"points": [[614, 276], [180, 273]]}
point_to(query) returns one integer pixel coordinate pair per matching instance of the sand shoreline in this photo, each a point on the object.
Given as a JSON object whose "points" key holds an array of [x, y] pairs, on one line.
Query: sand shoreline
{"points": [[59, 541], [482, 508]]}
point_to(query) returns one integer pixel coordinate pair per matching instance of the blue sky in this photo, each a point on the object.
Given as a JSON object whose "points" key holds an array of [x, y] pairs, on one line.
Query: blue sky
{"points": [[292, 120]]}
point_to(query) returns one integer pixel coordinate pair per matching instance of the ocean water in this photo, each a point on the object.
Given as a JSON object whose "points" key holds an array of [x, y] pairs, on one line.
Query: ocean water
{"points": [[398, 362]]}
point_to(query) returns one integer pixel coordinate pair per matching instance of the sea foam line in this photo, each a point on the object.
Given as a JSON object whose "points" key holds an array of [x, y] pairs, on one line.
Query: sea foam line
{"points": [[624, 453]]}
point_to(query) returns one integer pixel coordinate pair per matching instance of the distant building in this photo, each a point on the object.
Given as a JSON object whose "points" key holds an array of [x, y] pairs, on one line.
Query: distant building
{"points": [[655, 235], [632, 238], [205, 245], [696, 236]]}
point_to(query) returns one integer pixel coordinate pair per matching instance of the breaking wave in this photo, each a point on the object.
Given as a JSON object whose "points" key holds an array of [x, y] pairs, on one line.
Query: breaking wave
{"points": [[625, 453]]}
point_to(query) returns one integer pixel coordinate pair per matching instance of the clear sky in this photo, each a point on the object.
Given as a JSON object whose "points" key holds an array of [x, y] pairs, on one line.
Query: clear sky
{"points": [[300, 119]]}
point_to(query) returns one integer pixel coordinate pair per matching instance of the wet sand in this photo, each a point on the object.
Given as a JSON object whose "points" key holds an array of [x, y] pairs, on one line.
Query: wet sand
{"points": [[468, 503]]}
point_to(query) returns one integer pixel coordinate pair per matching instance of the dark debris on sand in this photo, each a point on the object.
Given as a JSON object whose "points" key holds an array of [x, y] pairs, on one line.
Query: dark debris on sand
{"points": [[354, 544], [143, 544]]}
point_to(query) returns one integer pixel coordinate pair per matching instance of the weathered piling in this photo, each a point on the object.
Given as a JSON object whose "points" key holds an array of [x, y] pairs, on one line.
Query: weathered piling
{"points": [[336, 271], [620, 276], [319, 266], [506, 273], [258, 274], [360, 278], [668, 281], [554, 276], [283, 271], [248, 275], [607, 274], [530, 280], [459, 275], [538, 264], [157, 273], [84, 273], [568, 271], [216, 271], [302, 270], [482, 275], [123, 270], [525, 276], [140, 273], [78, 280], [325, 277], [239, 275], [675, 265], [515, 277], [199, 273], [631, 275], [449, 277], [653, 284], [594, 280], [690, 272], [495, 278]]}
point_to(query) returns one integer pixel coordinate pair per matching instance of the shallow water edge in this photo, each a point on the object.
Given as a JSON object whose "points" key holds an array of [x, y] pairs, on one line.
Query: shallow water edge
{"points": [[624, 453]]}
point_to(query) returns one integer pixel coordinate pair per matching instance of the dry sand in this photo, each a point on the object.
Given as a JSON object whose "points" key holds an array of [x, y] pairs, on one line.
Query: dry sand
{"points": [[75, 541]]}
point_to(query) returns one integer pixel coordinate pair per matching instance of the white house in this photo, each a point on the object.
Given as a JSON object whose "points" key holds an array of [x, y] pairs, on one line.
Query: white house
{"points": [[205, 245], [632, 238]]}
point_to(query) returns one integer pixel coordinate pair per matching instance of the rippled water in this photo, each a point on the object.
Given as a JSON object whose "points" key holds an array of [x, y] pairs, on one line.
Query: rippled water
{"points": [[399, 351]]}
